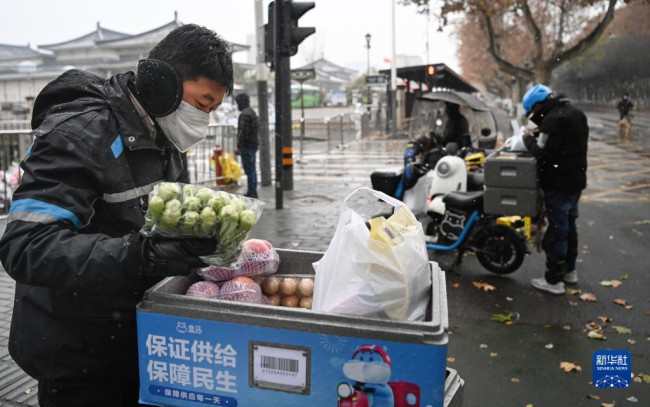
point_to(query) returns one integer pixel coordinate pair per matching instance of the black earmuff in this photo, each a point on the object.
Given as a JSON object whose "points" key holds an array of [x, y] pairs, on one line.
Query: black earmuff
{"points": [[159, 87]]}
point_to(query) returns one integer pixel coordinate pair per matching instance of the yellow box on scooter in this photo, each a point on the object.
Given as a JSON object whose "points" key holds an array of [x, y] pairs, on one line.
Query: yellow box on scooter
{"points": [[519, 223]]}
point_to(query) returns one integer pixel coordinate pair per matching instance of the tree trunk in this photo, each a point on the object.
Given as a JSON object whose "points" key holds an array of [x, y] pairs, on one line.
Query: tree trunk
{"points": [[542, 75]]}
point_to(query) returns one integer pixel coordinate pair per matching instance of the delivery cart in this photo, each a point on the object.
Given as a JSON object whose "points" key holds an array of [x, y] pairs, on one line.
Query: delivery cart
{"points": [[197, 351]]}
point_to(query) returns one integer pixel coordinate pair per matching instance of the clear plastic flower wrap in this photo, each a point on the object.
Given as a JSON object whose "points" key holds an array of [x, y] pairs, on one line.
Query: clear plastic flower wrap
{"points": [[186, 210], [241, 289], [257, 258]]}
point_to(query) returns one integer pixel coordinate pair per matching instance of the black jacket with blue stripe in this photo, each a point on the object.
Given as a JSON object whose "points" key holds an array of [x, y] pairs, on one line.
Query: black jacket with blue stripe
{"points": [[71, 241]]}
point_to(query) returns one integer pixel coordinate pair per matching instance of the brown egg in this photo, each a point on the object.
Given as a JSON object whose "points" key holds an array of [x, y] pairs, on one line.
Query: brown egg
{"points": [[289, 286], [271, 285], [275, 299], [290, 301], [305, 302], [306, 287]]}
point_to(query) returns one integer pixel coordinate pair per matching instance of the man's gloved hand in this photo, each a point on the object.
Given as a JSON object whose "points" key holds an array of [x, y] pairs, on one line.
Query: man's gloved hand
{"points": [[529, 142], [169, 256]]}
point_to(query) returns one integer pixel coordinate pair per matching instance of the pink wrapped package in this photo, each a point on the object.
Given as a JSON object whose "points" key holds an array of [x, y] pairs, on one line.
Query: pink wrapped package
{"points": [[241, 289], [203, 289], [257, 258]]}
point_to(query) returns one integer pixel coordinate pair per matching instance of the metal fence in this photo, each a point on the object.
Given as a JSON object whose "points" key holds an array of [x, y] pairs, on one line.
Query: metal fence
{"points": [[15, 140]]}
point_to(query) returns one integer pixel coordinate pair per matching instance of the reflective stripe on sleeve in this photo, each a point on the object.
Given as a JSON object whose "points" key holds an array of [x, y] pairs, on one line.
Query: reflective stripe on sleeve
{"points": [[33, 210], [130, 194]]}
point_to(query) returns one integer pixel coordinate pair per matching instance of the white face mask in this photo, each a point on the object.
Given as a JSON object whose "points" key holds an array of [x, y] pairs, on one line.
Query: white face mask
{"points": [[185, 126]]}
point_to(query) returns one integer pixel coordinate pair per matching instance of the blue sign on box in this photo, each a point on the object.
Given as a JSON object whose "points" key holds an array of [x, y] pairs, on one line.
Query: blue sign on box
{"points": [[186, 362], [612, 369]]}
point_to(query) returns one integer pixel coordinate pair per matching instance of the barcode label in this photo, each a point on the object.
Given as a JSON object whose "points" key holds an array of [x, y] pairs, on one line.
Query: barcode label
{"points": [[280, 367], [285, 365]]}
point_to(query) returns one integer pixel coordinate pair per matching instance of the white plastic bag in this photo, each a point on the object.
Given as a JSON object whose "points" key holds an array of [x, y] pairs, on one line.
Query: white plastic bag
{"points": [[359, 275]]}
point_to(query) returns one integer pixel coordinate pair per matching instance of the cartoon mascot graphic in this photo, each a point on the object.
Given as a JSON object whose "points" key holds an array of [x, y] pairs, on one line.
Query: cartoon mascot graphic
{"points": [[370, 369]]}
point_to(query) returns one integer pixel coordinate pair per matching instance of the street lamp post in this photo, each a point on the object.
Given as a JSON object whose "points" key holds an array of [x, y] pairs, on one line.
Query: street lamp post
{"points": [[368, 37]]}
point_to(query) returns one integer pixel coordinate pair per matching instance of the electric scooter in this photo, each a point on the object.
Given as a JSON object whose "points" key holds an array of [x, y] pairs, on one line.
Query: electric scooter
{"points": [[465, 227]]}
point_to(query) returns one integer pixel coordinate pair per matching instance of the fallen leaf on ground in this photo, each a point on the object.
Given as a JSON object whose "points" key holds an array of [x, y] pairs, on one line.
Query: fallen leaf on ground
{"points": [[451, 359], [632, 399], [604, 319], [593, 397], [484, 286], [624, 277], [589, 297], [592, 326], [567, 327], [573, 303], [483, 346], [612, 404], [596, 335], [494, 354], [622, 329], [622, 302], [549, 346], [610, 283], [641, 222], [568, 367], [455, 285], [529, 405], [631, 341], [509, 299], [644, 377], [571, 291], [515, 380], [501, 317]]}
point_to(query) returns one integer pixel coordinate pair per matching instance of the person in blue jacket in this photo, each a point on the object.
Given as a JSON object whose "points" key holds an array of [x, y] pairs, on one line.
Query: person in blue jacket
{"points": [[560, 145], [72, 241]]}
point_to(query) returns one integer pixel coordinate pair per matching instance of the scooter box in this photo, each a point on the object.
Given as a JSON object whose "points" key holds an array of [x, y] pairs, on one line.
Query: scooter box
{"points": [[510, 170], [197, 351], [512, 201], [386, 180]]}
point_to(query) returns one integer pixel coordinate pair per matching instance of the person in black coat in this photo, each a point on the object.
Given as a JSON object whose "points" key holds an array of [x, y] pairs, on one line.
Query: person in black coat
{"points": [[456, 128], [73, 241], [624, 106], [560, 145], [248, 141]]}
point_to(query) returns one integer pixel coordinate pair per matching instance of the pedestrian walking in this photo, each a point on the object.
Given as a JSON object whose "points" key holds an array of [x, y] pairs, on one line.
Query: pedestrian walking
{"points": [[72, 241], [248, 141], [624, 106], [560, 145]]}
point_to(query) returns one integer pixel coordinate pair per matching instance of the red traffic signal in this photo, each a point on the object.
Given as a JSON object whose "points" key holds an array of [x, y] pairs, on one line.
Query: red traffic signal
{"points": [[431, 70]]}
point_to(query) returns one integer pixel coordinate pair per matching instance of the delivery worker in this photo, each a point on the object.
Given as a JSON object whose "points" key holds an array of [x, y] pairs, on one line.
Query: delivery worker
{"points": [[560, 145], [72, 241]]}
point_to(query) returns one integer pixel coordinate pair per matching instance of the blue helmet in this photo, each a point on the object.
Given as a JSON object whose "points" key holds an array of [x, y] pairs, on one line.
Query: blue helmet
{"points": [[536, 94]]}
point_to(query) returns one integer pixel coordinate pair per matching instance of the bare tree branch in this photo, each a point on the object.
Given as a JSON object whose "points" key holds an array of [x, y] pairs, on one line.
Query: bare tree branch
{"points": [[532, 26], [561, 56], [560, 29], [505, 65]]}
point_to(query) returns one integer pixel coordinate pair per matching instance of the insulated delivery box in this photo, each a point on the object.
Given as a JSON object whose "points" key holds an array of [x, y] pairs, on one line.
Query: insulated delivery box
{"points": [[511, 184], [197, 351]]}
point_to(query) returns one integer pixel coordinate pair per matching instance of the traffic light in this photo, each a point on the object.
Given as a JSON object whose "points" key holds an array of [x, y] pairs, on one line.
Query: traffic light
{"points": [[288, 15], [269, 37], [431, 76]]}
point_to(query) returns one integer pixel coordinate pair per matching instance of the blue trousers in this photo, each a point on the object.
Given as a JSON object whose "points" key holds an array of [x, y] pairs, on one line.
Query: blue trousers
{"points": [[248, 162], [561, 239]]}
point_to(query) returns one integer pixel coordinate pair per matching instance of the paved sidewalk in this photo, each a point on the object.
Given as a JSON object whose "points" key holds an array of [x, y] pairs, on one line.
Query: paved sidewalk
{"points": [[308, 221]]}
